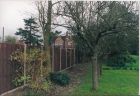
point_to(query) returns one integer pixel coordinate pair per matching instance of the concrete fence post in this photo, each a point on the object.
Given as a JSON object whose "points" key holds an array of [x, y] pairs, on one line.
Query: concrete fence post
{"points": [[25, 47]]}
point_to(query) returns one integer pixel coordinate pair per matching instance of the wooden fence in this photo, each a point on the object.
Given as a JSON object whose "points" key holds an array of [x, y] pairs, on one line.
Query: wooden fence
{"points": [[6, 69], [62, 58]]}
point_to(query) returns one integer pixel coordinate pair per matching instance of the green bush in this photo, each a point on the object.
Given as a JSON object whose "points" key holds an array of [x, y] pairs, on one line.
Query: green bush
{"points": [[19, 81], [131, 68], [125, 68], [121, 60], [59, 78], [106, 68], [137, 69]]}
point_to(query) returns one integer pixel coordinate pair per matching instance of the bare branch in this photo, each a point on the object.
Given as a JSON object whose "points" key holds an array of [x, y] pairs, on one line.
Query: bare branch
{"points": [[56, 3], [62, 25]]}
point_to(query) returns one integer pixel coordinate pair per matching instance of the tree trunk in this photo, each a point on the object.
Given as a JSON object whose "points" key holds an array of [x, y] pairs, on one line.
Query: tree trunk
{"points": [[95, 72], [48, 53], [47, 36]]}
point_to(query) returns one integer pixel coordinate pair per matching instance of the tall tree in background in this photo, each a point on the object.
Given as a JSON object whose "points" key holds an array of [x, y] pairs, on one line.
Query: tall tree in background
{"points": [[45, 22], [45, 18], [91, 21], [30, 34], [10, 39]]}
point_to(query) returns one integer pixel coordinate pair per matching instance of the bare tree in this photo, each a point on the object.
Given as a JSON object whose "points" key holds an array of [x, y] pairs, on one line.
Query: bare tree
{"points": [[45, 20], [44, 17], [91, 21]]}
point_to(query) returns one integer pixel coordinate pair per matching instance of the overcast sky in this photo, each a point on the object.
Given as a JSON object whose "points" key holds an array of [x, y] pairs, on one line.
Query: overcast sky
{"points": [[12, 13]]}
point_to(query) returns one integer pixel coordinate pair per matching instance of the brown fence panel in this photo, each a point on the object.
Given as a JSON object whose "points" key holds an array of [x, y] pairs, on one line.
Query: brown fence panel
{"points": [[63, 59], [68, 57], [6, 69], [72, 57], [57, 59]]}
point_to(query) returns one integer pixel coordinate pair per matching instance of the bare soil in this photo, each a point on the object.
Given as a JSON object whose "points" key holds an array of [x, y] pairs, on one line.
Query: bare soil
{"points": [[75, 73]]}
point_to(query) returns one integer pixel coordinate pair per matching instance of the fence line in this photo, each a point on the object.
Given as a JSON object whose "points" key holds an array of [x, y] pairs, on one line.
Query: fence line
{"points": [[6, 69], [62, 59]]}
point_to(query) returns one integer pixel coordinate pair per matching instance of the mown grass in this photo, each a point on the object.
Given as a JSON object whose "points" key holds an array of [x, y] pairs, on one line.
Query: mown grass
{"points": [[112, 83]]}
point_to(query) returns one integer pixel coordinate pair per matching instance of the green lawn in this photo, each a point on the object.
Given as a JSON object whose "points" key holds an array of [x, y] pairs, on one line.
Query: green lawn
{"points": [[112, 83]]}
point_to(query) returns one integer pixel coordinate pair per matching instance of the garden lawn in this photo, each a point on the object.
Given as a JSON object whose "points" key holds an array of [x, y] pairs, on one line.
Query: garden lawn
{"points": [[112, 83]]}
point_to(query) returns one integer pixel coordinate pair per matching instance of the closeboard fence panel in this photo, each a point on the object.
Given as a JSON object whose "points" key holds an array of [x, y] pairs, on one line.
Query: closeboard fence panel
{"points": [[1, 68], [57, 59], [63, 58], [72, 57], [68, 57], [6, 69]]}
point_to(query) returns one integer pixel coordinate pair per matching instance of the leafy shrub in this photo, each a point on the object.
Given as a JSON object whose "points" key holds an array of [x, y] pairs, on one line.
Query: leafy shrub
{"points": [[131, 68], [59, 78], [106, 68], [121, 60], [33, 66], [137, 69], [19, 81], [125, 68]]}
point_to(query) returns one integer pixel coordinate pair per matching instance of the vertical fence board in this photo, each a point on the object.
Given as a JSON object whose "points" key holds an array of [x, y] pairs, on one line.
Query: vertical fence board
{"points": [[57, 59], [6, 69], [72, 57], [63, 59], [68, 58]]}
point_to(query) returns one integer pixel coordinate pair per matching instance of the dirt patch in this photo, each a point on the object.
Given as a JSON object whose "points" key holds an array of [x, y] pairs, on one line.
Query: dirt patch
{"points": [[75, 73]]}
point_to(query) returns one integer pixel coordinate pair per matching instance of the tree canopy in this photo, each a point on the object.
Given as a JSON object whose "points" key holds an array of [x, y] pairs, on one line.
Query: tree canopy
{"points": [[30, 34], [100, 25]]}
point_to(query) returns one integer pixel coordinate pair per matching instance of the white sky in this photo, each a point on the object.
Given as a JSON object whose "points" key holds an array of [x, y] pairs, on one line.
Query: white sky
{"points": [[12, 13]]}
